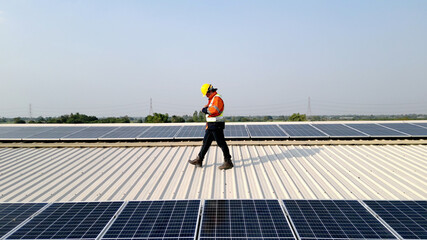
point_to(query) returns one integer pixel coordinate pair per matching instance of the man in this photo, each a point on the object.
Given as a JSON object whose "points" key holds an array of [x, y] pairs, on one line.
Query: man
{"points": [[214, 127]]}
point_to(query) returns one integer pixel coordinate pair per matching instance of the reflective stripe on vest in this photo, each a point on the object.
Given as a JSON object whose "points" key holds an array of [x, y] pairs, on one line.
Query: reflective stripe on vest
{"points": [[218, 118]]}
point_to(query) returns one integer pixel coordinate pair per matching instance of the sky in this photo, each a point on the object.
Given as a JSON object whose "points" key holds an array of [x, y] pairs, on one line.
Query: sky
{"points": [[109, 58]]}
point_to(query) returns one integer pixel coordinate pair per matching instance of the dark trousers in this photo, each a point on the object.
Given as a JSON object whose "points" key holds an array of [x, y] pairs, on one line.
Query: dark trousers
{"points": [[218, 135]]}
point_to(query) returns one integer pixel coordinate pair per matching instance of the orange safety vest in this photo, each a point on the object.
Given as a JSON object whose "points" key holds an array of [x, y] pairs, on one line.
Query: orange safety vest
{"points": [[215, 109]]}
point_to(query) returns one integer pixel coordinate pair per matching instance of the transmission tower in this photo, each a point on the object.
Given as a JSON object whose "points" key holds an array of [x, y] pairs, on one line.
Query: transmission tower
{"points": [[31, 113], [151, 106], [309, 108]]}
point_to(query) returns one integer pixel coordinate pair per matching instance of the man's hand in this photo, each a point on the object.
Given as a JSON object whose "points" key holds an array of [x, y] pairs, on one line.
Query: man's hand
{"points": [[205, 110]]}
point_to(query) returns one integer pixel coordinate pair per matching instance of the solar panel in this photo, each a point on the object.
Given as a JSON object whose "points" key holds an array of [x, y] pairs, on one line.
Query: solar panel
{"points": [[69, 221], [407, 128], [235, 131], [338, 130], [334, 219], [7, 129], [13, 214], [376, 130], [56, 133], [266, 131], [160, 132], [244, 219], [90, 133], [421, 124], [407, 218], [156, 220], [188, 132], [125, 133], [23, 132], [301, 130]]}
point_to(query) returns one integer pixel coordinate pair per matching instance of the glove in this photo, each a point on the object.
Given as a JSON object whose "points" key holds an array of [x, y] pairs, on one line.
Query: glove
{"points": [[205, 110]]}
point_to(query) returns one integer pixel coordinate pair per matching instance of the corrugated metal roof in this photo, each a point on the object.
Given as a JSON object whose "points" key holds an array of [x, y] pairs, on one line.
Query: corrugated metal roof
{"points": [[261, 172]]}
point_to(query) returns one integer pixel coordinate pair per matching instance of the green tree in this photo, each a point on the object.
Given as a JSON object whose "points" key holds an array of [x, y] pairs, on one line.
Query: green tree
{"points": [[198, 116], [40, 120], [195, 117], [177, 119], [18, 120], [202, 117], [80, 118], [268, 118], [296, 117], [316, 118], [157, 118], [281, 118], [124, 119]]}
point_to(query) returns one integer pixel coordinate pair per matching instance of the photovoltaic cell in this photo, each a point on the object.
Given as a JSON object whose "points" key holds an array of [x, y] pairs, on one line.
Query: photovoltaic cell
{"points": [[338, 130], [56, 133], [266, 131], [334, 219], [156, 220], [235, 131], [90, 133], [407, 218], [375, 130], [244, 219], [407, 128], [301, 130], [69, 221], [13, 214], [125, 133], [160, 132], [191, 132]]}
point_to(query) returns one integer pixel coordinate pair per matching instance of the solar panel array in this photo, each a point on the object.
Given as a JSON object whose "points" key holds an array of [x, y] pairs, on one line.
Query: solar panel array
{"points": [[188, 132], [126, 133], [156, 220], [266, 131], [339, 130], [411, 129], [236, 131], [22, 132], [231, 131], [160, 132], [407, 218], [13, 214], [90, 133], [215, 219], [317, 219], [376, 130], [244, 219], [421, 124], [55, 133], [80, 220], [300, 130]]}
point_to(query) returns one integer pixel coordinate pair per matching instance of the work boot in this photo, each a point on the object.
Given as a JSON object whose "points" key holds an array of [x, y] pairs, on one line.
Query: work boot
{"points": [[226, 165], [196, 162]]}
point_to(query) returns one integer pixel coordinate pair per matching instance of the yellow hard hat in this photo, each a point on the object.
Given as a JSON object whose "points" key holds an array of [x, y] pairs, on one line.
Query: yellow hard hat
{"points": [[206, 88]]}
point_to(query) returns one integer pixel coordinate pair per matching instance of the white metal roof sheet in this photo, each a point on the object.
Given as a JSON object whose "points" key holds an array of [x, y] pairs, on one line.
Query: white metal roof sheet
{"points": [[392, 172]]}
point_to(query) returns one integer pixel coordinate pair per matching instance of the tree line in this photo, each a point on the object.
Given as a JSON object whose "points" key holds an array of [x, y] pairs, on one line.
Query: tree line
{"points": [[198, 116], [201, 117], [73, 118]]}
